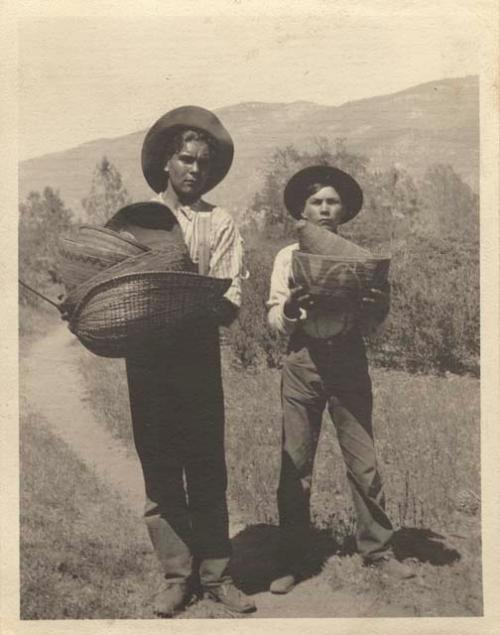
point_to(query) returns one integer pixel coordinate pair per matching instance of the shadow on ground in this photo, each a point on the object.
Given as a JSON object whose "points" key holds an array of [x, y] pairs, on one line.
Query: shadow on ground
{"points": [[254, 565]]}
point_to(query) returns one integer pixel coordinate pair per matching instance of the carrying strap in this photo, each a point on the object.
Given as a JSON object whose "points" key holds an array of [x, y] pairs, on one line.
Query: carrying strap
{"points": [[40, 295], [203, 224]]}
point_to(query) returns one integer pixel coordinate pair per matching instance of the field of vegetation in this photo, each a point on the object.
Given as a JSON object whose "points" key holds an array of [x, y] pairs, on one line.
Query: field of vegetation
{"points": [[428, 445], [425, 365]]}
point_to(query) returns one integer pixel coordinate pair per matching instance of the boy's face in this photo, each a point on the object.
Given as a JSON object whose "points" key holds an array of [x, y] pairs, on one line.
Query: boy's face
{"points": [[188, 170], [324, 208]]}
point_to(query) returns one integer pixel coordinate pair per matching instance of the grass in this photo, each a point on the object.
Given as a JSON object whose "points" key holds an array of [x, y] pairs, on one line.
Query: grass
{"points": [[426, 430], [35, 320], [82, 554], [427, 437]]}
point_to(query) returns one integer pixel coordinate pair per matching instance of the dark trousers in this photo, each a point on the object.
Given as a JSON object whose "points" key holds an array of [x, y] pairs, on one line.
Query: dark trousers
{"points": [[177, 408], [334, 374]]}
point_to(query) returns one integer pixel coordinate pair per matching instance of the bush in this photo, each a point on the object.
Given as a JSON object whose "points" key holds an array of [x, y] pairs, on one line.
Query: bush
{"points": [[434, 319], [431, 228], [250, 338]]}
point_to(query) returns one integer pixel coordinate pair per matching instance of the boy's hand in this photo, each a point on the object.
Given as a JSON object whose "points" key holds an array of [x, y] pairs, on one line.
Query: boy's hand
{"points": [[224, 312], [298, 298], [376, 302], [64, 308]]}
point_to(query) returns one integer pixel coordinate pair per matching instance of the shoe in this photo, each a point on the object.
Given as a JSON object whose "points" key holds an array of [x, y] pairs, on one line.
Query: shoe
{"points": [[283, 585], [232, 598], [393, 568], [173, 597]]}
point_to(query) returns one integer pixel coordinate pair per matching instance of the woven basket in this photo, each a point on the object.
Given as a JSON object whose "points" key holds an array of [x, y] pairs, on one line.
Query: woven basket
{"points": [[339, 278], [175, 258], [316, 240], [124, 313], [93, 250]]}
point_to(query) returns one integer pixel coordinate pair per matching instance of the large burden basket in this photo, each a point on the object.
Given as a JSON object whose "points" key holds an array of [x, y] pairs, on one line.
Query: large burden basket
{"points": [[341, 279], [122, 315], [140, 301], [92, 250]]}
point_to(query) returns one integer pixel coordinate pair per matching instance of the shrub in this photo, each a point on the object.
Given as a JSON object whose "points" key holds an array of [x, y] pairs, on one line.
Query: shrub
{"points": [[431, 228], [251, 340]]}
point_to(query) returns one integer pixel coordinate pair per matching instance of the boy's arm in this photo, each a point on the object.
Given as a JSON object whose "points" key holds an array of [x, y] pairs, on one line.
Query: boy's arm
{"points": [[227, 262], [278, 295], [375, 307]]}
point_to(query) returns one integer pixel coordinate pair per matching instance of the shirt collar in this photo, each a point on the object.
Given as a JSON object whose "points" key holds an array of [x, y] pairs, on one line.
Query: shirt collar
{"points": [[186, 210]]}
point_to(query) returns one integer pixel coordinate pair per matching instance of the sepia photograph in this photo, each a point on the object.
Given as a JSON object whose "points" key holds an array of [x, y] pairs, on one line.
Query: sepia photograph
{"points": [[249, 313]]}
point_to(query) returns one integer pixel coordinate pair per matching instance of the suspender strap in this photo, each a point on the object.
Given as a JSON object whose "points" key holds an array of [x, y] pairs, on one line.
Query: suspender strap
{"points": [[203, 220]]}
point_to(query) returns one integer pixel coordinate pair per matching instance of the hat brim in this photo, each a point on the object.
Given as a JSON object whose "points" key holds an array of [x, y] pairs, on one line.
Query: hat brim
{"points": [[159, 135], [348, 189]]}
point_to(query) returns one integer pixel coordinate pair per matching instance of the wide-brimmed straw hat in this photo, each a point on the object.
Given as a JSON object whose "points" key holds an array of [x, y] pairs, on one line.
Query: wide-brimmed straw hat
{"points": [[156, 140], [348, 189]]}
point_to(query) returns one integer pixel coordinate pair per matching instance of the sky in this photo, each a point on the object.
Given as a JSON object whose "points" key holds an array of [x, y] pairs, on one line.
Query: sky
{"points": [[83, 78]]}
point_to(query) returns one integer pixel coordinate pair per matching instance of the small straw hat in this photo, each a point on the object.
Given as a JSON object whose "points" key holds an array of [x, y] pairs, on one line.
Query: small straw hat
{"points": [[348, 189]]}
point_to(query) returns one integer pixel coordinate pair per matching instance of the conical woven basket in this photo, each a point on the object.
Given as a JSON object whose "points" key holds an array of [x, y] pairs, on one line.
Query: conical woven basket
{"points": [[316, 240], [340, 279], [141, 301], [334, 269], [91, 251]]}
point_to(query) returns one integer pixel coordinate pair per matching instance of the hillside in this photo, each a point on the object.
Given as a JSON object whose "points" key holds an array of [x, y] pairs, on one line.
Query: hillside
{"points": [[436, 122]]}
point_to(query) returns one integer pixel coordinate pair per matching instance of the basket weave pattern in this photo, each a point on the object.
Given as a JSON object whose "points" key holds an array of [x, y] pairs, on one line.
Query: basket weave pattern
{"points": [[173, 259], [327, 275], [332, 267], [122, 294], [93, 250], [123, 313]]}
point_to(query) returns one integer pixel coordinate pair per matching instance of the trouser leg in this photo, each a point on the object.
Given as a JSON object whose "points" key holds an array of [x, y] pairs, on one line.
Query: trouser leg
{"points": [[157, 426], [350, 410], [302, 404], [206, 479], [205, 465]]}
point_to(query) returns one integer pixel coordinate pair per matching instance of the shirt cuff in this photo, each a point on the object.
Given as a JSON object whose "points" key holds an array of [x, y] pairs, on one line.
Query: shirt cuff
{"points": [[289, 324]]}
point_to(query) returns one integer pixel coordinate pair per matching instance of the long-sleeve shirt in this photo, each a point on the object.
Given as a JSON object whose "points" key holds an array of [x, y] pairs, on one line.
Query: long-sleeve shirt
{"points": [[225, 258]]}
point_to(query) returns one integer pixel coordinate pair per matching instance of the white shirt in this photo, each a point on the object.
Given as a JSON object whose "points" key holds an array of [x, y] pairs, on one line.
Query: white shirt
{"points": [[225, 259]]}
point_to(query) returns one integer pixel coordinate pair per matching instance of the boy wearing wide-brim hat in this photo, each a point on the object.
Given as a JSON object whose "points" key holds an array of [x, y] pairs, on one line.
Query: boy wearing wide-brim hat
{"points": [[176, 396], [326, 367]]}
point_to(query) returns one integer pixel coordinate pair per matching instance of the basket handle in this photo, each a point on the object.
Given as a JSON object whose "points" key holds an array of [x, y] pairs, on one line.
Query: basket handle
{"points": [[40, 295]]}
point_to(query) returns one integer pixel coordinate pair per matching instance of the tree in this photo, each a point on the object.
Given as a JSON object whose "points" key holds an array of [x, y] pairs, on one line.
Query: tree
{"points": [[286, 161], [450, 206], [107, 193], [43, 218]]}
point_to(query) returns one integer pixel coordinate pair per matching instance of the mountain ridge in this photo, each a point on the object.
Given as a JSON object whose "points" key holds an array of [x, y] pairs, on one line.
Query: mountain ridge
{"points": [[434, 122]]}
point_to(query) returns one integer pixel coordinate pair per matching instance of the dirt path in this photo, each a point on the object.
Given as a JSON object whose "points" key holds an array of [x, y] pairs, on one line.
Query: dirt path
{"points": [[54, 387]]}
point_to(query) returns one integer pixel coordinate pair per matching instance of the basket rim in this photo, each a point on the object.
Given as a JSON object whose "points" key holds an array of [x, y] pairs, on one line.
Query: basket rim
{"points": [[307, 254], [222, 282]]}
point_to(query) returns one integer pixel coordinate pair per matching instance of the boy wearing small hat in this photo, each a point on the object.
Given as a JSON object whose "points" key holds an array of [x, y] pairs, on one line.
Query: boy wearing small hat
{"points": [[326, 366], [176, 395]]}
